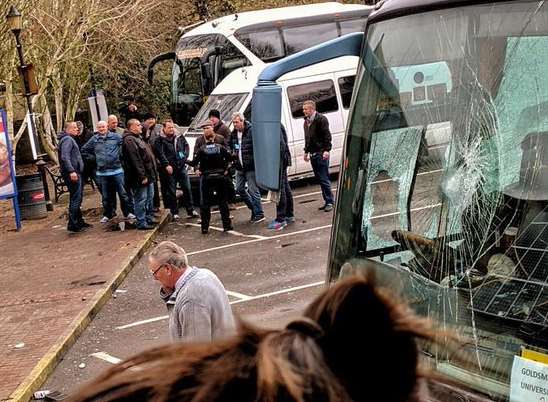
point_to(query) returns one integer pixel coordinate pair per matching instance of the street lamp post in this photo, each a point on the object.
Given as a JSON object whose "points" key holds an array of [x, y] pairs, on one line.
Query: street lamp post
{"points": [[15, 23]]}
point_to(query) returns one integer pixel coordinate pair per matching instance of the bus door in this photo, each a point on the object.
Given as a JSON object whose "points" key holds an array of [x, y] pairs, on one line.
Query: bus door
{"points": [[320, 89]]}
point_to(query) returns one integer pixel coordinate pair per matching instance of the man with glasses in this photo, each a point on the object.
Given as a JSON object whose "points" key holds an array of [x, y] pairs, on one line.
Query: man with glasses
{"points": [[195, 298]]}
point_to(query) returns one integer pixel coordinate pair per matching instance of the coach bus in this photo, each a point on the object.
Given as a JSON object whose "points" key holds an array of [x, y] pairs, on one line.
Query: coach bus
{"points": [[443, 190], [206, 54]]}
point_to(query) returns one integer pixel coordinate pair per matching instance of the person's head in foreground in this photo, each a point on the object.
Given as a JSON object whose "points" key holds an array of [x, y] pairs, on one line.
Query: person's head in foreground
{"points": [[353, 344]]}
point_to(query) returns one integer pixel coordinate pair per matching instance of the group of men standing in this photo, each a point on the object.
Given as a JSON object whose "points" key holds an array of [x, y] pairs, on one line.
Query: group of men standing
{"points": [[129, 163]]}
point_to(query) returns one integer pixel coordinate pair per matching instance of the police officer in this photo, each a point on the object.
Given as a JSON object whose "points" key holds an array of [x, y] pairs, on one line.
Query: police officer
{"points": [[212, 162]]}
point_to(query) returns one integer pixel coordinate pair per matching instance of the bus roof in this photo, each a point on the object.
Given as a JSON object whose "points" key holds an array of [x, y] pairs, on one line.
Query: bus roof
{"points": [[229, 24], [396, 8]]}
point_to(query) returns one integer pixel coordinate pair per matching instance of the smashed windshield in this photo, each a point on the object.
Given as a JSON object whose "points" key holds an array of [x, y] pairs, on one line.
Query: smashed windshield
{"points": [[447, 178], [226, 104]]}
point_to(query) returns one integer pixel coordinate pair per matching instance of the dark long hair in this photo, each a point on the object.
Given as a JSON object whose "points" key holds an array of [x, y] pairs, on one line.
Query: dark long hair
{"points": [[354, 344]]}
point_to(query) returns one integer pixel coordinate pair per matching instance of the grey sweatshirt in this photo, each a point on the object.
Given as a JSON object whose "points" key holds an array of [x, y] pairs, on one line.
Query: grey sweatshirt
{"points": [[199, 309]]}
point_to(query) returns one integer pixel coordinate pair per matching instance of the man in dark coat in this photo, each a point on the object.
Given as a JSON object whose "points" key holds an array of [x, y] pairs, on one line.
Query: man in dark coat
{"points": [[171, 164], [141, 173], [241, 145], [220, 128], [316, 150], [72, 166]]}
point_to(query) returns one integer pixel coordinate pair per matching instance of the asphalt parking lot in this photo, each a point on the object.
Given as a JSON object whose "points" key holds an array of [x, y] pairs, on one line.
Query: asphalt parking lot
{"points": [[270, 277]]}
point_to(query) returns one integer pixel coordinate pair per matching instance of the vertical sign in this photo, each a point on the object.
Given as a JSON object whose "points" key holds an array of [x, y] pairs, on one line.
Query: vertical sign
{"points": [[8, 186], [7, 168]]}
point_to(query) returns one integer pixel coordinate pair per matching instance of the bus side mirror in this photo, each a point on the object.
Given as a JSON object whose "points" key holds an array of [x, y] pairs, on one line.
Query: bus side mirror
{"points": [[266, 117]]}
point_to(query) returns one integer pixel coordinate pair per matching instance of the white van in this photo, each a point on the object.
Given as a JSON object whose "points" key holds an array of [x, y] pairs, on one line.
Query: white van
{"points": [[329, 84]]}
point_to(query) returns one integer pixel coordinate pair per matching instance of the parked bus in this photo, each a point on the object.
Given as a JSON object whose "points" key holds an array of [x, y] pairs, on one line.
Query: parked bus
{"points": [[208, 53], [444, 195]]}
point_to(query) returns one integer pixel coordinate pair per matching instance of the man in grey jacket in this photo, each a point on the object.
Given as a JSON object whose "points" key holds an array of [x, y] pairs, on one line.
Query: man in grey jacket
{"points": [[195, 298]]}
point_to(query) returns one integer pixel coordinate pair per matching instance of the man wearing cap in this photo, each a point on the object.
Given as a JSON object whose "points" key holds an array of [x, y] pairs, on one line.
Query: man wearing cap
{"points": [[212, 163], [218, 126]]}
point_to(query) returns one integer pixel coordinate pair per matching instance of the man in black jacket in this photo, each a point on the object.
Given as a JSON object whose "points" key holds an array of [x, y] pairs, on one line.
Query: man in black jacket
{"points": [[241, 145], [72, 166], [166, 149], [316, 150], [141, 174], [212, 163]]}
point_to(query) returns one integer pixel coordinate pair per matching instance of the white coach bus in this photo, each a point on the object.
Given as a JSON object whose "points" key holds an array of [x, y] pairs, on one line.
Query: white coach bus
{"points": [[207, 54]]}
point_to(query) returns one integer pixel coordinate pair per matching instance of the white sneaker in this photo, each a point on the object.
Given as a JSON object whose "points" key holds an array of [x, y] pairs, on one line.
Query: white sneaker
{"points": [[176, 217], [131, 216], [104, 219]]}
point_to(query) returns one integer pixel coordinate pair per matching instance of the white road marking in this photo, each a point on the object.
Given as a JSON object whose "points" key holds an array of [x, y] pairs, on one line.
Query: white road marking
{"points": [[243, 299], [268, 202], [148, 321], [412, 210], [106, 357], [238, 295], [279, 292], [232, 232], [207, 250]]}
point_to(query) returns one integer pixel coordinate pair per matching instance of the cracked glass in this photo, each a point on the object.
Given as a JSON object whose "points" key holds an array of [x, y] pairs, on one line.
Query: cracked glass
{"points": [[446, 177]]}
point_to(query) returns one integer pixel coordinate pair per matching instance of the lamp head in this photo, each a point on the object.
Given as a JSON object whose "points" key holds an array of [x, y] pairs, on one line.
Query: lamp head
{"points": [[14, 20]]}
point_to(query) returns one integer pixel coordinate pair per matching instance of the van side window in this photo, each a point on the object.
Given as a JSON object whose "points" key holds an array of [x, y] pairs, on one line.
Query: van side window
{"points": [[321, 92], [346, 85]]}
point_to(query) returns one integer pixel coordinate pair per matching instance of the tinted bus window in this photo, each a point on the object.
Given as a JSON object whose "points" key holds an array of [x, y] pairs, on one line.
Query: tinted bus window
{"points": [[350, 26], [300, 38], [346, 85], [266, 45], [321, 92]]}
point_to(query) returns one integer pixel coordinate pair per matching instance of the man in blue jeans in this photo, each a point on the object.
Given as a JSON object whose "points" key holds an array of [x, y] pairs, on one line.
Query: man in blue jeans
{"points": [[105, 149], [317, 139], [241, 146], [72, 166], [138, 162]]}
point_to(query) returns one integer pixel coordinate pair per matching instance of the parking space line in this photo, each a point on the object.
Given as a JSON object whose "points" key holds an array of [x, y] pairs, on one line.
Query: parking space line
{"points": [[279, 292], [148, 321], [240, 296], [232, 232], [106, 357], [244, 299], [266, 238], [264, 201]]}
